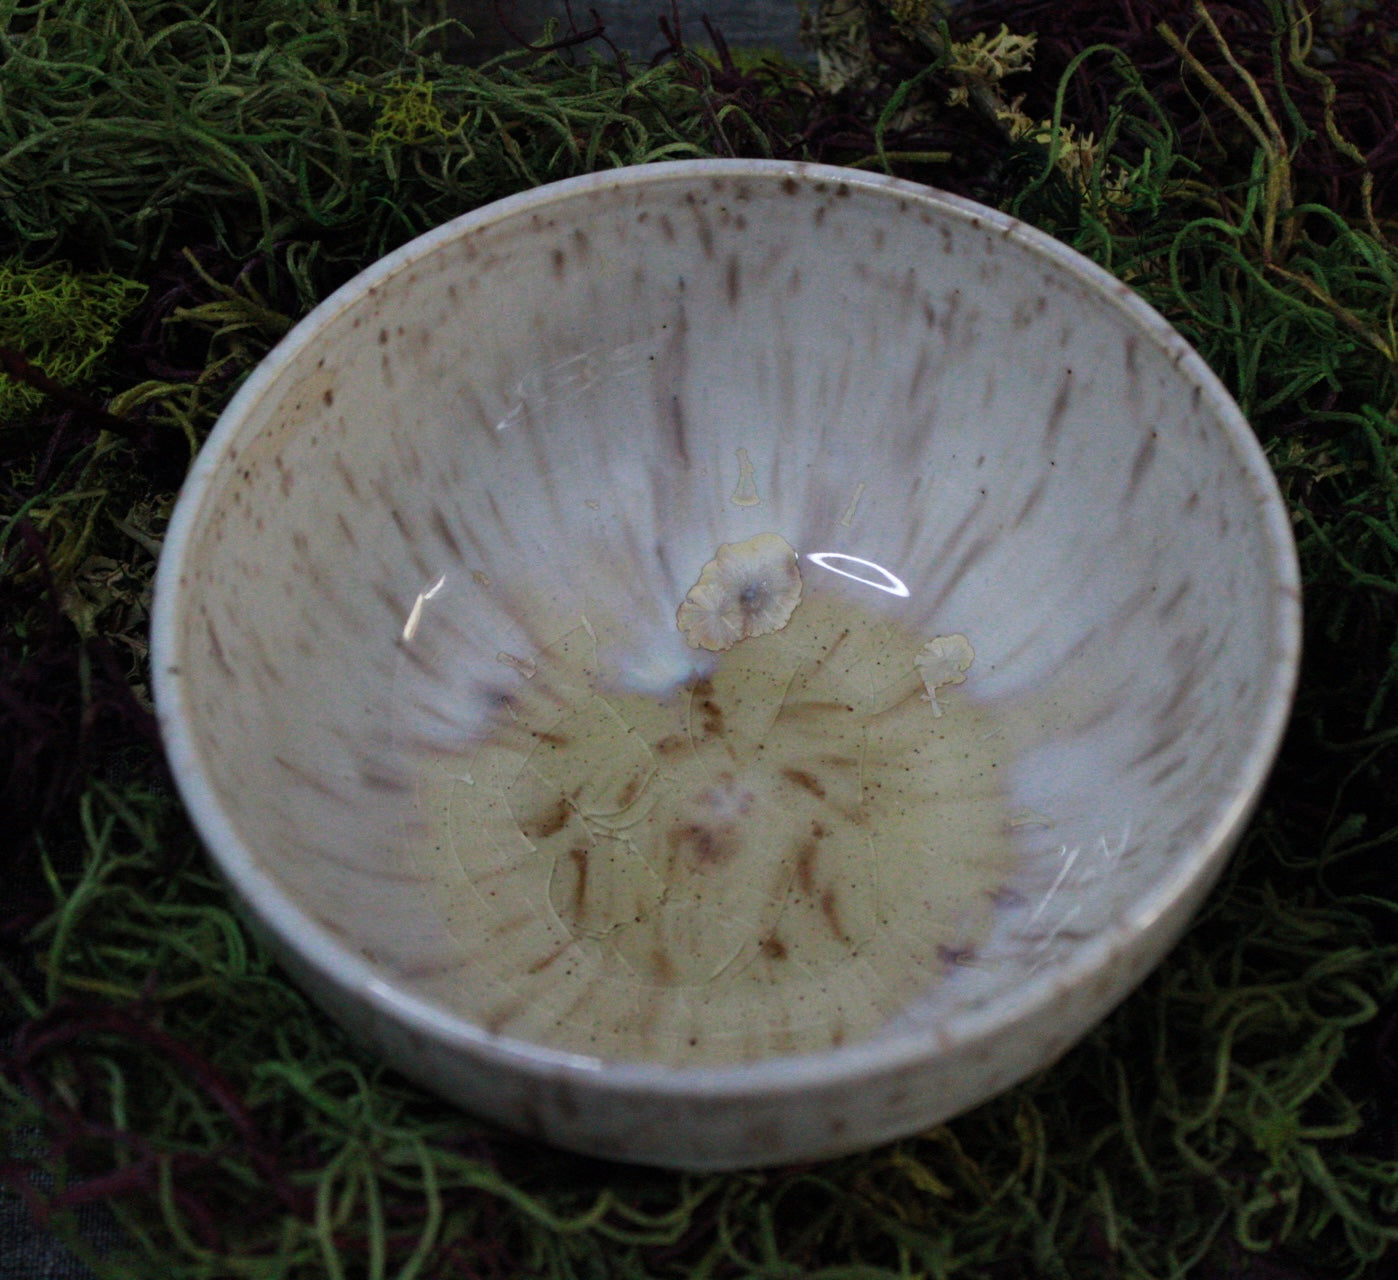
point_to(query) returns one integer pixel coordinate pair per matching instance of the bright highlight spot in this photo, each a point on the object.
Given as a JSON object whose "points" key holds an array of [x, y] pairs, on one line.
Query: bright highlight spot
{"points": [[873, 575], [414, 618]]}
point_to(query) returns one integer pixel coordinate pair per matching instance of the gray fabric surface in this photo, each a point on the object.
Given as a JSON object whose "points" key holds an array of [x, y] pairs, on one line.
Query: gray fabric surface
{"points": [[28, 1252], [634, 25]]}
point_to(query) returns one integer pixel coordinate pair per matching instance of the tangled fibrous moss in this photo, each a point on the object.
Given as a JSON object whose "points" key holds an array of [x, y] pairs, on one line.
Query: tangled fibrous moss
{"points": [[61, 320]]}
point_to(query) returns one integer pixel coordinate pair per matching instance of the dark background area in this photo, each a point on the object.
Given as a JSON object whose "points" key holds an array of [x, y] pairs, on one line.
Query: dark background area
{"points": [[634, 25]]}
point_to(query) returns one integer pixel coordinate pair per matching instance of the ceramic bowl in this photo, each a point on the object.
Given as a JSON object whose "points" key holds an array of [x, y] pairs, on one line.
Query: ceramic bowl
{"points": [[725, 662]]}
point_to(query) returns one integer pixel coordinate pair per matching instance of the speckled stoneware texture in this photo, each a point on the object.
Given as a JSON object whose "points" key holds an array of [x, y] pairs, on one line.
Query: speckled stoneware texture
{"points": [[725, 662]]}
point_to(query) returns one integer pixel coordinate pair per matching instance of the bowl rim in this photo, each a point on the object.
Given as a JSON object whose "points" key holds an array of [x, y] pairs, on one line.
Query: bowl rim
{"points": [[336, 964]]}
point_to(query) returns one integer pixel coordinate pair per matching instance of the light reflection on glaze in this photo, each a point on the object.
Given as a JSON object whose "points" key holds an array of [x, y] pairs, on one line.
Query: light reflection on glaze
{"points": [[847, 567], [414, 618]]}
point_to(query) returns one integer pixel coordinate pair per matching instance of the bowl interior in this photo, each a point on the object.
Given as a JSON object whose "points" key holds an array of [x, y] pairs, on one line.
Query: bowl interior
{"points": [[431, 703]]}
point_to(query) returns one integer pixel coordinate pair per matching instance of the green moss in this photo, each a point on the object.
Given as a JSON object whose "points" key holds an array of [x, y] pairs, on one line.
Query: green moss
{"points": [[61, 320]]}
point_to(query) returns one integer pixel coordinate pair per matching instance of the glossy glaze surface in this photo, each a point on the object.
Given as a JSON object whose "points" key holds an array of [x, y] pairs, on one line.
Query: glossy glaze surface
{"points": [[544, 420]]}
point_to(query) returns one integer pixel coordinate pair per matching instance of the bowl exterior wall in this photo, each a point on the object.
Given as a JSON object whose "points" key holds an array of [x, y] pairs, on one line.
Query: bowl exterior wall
{"points": [[685, 1124]]}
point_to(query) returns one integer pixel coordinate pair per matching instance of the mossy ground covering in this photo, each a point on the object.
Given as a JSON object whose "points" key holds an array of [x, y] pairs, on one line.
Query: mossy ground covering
{"points": [[180, 181]]}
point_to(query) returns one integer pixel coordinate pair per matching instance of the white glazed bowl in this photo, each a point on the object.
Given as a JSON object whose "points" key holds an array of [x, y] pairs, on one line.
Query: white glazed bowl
{"points": [[557, 408]]}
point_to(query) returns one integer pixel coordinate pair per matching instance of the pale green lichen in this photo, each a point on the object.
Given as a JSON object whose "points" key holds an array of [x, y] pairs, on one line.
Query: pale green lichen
{"points": [[987, 59], [409, 115], [59, 321], [840, 32]]}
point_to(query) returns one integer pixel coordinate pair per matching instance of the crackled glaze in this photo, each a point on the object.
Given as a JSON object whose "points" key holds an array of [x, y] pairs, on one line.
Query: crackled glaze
{"points": [[555, 410], [775, 857]]}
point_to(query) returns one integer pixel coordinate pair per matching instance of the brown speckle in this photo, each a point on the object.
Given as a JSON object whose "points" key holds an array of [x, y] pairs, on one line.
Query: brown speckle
{"points": [[709, 844], [544, 961], [1141, 464], [710, 713], [1169, 605], [375, 779], [216, 648], [578, 856], [805, 865], [497, 1019], [346, 475], [806, 780], [830, 909], [1059, 409], [1163, 775], [678, 429], [443, 531], [308, 780], [773, 947], [662, 966], [548, 823], [1030, 503]]}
